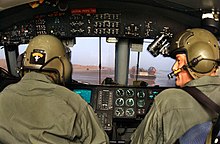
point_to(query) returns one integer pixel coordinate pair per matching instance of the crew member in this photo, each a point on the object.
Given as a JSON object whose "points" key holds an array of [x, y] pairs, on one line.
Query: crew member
{"points": [[174, 111], [38, 109]]}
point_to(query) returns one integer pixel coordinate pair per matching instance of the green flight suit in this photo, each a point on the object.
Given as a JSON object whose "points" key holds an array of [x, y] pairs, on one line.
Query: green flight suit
{"points": [[174, 111], [37, 111]]}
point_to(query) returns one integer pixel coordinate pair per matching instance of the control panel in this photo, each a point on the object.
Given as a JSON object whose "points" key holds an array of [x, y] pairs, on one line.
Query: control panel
{"points": [[132, 102], [115, 103], [89, 22], [119, 107]]}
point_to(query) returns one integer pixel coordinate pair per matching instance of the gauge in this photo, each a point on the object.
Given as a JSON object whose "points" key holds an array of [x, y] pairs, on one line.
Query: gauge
{"points": [[129, 112], [119, 102], [130, 92], [140, 103], [141, 94], [119, 112], [120, 92], [130, 102]]}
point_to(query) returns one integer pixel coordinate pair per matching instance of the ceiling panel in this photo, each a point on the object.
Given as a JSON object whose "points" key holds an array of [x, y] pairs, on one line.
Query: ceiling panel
{"points": [[5, 4]]}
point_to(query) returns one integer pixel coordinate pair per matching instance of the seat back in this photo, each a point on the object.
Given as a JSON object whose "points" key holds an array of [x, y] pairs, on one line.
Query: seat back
{"points": [[197, 134]]}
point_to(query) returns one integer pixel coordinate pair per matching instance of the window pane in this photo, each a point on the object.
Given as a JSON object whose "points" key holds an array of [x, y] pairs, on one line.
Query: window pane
{"points": [[152, 70], [107, 60], [22, 48], [85, 60]]}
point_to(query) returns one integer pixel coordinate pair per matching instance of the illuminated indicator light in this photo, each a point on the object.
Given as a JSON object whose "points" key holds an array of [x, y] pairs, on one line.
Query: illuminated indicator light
{"points": [[155, 93], [151, 96], [84, 11]]}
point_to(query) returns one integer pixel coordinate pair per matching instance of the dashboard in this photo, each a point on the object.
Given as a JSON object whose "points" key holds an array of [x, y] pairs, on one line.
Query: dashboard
{"points": [[120, 109]]}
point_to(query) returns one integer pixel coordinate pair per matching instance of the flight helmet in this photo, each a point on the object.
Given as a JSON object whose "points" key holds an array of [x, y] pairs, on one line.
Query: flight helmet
{"points": [[201, 48], [46, 53]]}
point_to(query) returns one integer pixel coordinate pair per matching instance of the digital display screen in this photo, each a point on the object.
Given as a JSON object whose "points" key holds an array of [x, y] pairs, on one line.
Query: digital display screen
{"points": [[86, 94]]}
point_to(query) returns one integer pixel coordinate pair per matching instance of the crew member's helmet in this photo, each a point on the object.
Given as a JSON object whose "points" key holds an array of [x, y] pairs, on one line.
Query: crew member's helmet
{"points": [[46, 53], [201, 48]]}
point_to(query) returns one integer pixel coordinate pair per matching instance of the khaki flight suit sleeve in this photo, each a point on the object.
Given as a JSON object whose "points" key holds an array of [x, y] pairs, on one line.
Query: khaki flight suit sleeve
{"points": [[169, 118], [91, 129], [150, 129]]}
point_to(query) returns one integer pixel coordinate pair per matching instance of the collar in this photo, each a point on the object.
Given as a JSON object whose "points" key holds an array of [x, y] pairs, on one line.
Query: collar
{"points": [[205, 80], [37, 76]]}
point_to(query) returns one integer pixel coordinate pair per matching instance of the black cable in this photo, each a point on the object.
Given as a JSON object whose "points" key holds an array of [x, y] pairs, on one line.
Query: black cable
{"points": [[4, 73], [218, 62], [196, 60], [40, 69], [192, 64], [56, 57]]}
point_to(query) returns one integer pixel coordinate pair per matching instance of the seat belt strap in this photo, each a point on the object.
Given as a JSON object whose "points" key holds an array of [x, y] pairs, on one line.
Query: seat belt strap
{"points": [[202, 98]]}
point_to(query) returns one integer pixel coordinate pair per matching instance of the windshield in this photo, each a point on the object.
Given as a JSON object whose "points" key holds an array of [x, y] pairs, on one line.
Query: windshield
{"points": [[93, 60], [86, 62]]}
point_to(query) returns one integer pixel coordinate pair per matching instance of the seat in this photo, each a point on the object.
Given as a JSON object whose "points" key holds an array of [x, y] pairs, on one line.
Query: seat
{"points": [[197, 134]]}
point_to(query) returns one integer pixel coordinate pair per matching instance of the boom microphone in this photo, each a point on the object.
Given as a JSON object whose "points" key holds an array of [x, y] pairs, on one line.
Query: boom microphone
{"points": [[175, 72]]}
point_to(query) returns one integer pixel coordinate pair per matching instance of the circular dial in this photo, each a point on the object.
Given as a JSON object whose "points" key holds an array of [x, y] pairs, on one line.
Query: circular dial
{"points": [[140, 103], [119, 112], [129, 112], [119, 102], [141, 94], [130, 92], [120, 92], [129, 102]]}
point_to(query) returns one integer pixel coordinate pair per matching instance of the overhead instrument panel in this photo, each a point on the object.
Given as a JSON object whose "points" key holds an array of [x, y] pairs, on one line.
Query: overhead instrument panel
{"points": [[19, 33], [88, 22], [79, 23]]}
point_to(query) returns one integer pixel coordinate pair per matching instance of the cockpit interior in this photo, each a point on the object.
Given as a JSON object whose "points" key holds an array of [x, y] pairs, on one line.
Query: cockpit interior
{"points": [[118, 48]]}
